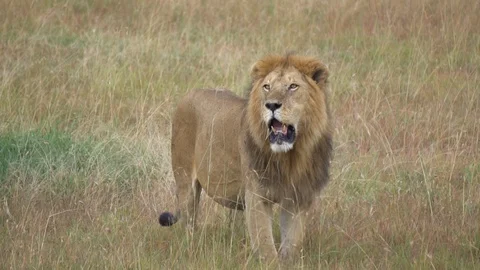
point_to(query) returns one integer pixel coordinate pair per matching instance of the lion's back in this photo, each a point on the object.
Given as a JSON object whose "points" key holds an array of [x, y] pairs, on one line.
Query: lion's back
{"points": [[200, 106]]}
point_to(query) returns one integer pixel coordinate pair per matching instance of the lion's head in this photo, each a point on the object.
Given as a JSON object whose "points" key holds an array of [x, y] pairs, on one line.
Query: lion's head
{"points": [[287, 107]]}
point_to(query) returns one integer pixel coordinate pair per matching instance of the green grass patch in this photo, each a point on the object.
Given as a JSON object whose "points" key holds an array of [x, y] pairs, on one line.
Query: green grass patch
{"points": [[58, 163]]}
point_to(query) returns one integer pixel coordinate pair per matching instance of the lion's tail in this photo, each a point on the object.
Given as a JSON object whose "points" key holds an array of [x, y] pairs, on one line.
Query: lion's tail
{"points": [[167, 219]]}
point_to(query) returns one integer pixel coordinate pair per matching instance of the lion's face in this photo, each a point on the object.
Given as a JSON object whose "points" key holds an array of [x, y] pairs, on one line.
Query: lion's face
{"points": [[287, 103], [283, 97]]}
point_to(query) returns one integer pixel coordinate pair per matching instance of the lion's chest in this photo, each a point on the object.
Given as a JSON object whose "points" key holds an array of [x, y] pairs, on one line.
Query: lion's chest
{"points": [[279, 185]]}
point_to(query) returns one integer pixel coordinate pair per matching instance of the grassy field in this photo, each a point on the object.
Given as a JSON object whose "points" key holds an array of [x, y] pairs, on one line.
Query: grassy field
{"points": [[87, 89]]}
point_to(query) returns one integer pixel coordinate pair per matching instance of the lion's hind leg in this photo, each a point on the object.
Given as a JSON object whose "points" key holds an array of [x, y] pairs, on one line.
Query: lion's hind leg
{"points": [[188, 199], [193, 204]]}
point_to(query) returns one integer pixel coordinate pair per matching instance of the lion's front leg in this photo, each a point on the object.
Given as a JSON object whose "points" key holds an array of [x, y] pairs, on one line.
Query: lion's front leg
{"points": [[292, 230], [258, 213]]}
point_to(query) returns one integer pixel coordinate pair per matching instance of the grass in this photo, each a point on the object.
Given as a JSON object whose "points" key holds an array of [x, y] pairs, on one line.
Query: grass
{"points": [[87, 89]]}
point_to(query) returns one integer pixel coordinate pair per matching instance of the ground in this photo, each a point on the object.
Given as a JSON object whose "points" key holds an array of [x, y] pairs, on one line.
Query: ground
{"points": [[87, 89]]}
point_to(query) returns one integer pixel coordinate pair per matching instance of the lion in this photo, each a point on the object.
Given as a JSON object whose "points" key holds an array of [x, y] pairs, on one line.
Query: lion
{"points": [[273, 147]]}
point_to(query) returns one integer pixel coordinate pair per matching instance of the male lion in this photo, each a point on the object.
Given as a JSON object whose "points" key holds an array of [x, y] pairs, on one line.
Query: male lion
{"points": [[248, 154]]}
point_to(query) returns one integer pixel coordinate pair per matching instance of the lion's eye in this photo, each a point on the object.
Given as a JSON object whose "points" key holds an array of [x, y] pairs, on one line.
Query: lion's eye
{"points": [[266, 87], [293, 87]]}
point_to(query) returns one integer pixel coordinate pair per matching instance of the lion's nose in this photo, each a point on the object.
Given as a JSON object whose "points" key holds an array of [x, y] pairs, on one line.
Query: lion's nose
{"points": [[273, 105]]}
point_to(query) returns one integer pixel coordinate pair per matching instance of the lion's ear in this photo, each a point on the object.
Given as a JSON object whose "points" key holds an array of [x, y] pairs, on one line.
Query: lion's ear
{"points": [[264, 66], [312, 68], [319, 73], [255, 71]]}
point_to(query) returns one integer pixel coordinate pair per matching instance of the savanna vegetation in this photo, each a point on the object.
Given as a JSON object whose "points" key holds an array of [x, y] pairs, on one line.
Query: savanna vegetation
{"points": [[87, 89]]}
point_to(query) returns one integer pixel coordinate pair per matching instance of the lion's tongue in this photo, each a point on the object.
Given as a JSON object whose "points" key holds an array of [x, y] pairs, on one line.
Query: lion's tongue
{"points": [[279, 127]]}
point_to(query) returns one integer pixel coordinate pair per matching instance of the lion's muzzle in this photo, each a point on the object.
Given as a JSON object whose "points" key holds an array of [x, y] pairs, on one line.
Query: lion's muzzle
{"points": [[281, 133]]}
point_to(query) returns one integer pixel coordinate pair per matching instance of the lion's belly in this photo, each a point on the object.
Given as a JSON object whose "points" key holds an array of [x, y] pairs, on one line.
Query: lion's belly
{"points": [[223, 184], [220, 177]]}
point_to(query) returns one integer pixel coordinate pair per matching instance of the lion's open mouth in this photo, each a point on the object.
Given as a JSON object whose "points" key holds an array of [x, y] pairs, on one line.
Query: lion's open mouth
{"points": [[280, 132]]}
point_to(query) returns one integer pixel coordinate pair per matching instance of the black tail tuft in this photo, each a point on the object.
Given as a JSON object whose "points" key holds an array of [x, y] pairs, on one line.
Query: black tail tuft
{"points": [[167, 219]]}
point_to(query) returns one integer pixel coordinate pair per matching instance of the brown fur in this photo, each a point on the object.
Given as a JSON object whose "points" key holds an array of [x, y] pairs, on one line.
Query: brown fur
{"points": [[306, 166], [220, 145]]}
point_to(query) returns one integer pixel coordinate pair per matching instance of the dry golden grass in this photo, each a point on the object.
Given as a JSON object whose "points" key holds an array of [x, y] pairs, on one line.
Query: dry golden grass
{"points": [[86, 93]]}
